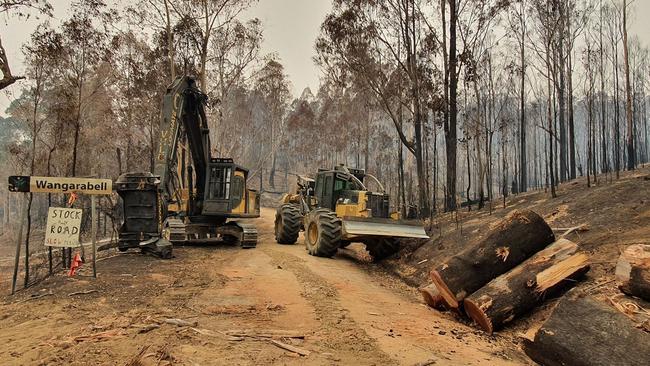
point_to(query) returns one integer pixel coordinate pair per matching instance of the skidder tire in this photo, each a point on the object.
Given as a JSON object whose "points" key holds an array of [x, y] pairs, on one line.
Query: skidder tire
{"points": [[382, 248], [322, 233], [287, 224]]}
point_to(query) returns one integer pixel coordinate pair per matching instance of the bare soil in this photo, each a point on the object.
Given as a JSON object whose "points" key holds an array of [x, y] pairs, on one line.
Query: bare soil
{"points": [[350, 311]]}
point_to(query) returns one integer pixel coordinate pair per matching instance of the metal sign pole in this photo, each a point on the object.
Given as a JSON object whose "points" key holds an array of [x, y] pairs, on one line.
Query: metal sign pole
{"points": [[18, 244], [93, 225]]}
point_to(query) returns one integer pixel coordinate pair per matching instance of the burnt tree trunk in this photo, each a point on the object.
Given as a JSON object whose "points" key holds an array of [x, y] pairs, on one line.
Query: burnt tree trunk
{"points": [[515, 239], [514, 293], [582, 331], [633, 271]]}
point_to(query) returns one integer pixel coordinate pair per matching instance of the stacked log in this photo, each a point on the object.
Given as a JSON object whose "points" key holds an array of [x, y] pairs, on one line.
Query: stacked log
{"points": [[633, 271], [522, 234], [582, 331], [541, 276]]}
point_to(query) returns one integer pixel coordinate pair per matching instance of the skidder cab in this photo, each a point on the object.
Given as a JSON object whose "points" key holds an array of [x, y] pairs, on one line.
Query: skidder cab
{"points": [[336, 209]]}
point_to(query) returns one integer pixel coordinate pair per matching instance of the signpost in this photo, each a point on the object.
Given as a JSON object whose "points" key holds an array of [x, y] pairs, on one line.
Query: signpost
{"points": [[63, 224]]}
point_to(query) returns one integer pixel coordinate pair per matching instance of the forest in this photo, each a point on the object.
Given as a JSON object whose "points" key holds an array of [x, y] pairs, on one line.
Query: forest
{"points": [[448, 103], [324, 182]]}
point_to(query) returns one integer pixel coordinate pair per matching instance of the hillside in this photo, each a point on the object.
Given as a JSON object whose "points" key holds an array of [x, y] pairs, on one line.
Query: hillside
{"points": [[616, 213]]}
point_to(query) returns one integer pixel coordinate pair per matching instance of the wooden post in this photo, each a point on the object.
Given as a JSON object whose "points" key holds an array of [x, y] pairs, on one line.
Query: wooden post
{"points": [[49, 258], [93, 225], [18, 244]]}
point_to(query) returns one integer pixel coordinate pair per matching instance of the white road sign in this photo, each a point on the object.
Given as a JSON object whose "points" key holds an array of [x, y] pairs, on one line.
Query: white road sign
{"points": [[63, 227]]}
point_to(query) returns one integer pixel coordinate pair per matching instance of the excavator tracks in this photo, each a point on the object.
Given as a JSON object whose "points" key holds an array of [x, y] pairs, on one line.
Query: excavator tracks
{"points": [[239, 233], [174, 230], [233, 232], [249, 235]]}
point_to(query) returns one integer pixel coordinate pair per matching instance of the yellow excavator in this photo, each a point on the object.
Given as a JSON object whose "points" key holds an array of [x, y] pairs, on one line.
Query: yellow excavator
{"points": [[190, 197], [336, 209]]}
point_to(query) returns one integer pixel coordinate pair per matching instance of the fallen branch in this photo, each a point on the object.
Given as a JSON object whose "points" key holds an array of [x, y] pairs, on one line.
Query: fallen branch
{"points": [[569, 230], [82, 292], [146, 327], [137, 360], [288, 347], [427, 362], [266, 334], [99, 336], [180, 322], [34, 297], [209, 333]]}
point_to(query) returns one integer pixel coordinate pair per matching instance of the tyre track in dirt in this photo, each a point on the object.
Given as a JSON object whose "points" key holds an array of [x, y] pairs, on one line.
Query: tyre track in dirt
{"points": [[338, 332]]}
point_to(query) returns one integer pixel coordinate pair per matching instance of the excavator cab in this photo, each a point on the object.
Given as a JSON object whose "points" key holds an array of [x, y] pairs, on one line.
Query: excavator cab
{"points": [[226, 193]]}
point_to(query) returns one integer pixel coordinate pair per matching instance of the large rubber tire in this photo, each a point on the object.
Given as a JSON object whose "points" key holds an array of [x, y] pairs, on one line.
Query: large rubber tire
{"points": [[382, 248], [322, 233], [287, 224]]}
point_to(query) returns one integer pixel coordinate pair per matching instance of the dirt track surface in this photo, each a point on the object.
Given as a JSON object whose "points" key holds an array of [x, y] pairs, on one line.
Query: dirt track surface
{"points": [[349, 311]]}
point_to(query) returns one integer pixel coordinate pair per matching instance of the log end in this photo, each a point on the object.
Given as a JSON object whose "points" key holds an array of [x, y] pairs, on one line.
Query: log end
{"points": [[432, 297], [449, 299], [474, 311]]}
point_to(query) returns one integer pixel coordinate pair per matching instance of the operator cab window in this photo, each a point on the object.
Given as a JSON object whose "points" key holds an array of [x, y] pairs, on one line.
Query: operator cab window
{"points": [[344, 185], [219, 182]]}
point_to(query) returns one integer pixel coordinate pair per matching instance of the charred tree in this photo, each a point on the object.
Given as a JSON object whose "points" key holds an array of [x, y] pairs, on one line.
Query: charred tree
{"points": [[628, 93]]}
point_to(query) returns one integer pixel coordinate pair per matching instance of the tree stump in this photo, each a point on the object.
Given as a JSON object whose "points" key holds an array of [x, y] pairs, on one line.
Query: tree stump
{"points": [[633, 271], [517, 291], [582, 331], [520, 235]]}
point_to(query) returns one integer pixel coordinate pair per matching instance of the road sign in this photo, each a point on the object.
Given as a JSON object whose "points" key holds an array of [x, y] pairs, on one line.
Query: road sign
{"points": [[63, 227], [21, 183]]}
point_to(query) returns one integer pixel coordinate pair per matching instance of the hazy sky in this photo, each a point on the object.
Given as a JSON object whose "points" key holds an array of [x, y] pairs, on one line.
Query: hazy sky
{"points": [[290, 28]]}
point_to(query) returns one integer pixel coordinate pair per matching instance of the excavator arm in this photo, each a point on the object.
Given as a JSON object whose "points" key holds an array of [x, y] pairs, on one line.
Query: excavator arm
{"points": [[182, 116]]}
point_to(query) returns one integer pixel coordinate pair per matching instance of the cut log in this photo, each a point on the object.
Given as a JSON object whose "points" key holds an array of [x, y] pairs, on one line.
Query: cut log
{"points": [[515, 292], [633, 271], [582, 331], [432, 296], [515, 239]]}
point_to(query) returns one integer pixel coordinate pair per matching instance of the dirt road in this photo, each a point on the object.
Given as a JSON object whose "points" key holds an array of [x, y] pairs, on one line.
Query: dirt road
{"points": [[348, 310]]}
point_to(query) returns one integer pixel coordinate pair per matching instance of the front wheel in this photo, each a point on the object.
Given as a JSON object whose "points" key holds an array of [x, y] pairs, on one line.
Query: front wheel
{"points": [[322, 233], [382, 248], [287, 224]]}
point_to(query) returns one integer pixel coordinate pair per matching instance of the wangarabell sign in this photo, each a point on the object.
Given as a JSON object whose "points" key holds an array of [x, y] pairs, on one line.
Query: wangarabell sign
{"points": [[60, 185]]}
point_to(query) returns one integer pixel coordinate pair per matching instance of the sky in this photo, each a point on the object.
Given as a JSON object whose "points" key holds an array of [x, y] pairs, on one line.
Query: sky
{"points": [[290, 29]]}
